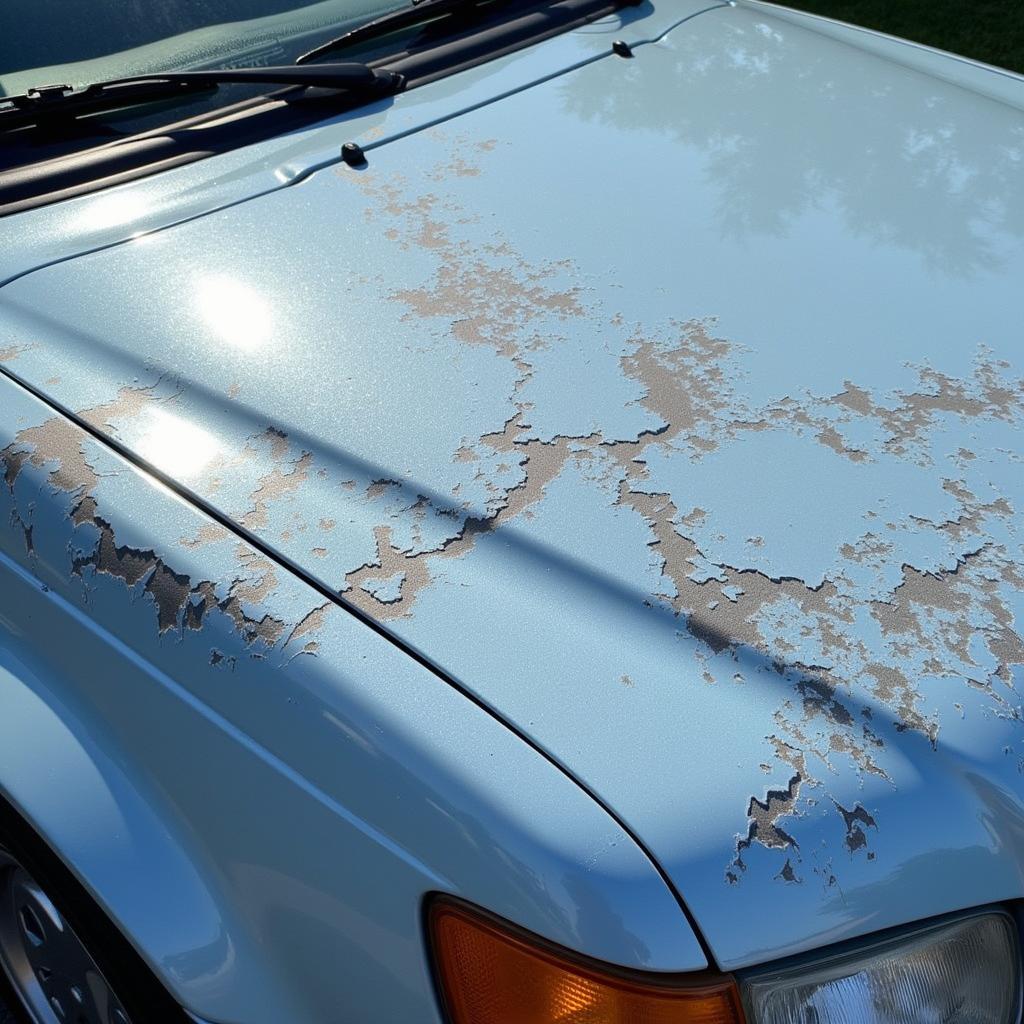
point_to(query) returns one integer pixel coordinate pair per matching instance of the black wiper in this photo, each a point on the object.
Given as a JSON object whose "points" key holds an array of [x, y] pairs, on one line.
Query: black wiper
{"points": [[419, 12], [55, 102]]}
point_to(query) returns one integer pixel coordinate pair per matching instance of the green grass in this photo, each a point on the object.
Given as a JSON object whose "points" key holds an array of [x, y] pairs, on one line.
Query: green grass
{"points": [[987, 30]]}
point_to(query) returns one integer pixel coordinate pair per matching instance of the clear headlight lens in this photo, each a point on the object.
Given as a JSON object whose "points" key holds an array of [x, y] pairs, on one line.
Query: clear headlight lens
{"points": [[966, 972]]}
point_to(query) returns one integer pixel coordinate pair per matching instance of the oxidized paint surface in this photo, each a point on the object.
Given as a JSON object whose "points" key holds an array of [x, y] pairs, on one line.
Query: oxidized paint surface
{"points": [[674, 406]]}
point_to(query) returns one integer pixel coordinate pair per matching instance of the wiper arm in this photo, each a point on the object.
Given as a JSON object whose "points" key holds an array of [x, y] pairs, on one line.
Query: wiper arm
{"points": [[419, 12], [51, 102]]}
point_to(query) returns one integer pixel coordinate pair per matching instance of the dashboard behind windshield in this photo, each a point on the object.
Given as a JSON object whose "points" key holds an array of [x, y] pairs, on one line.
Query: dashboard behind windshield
{"points": [[77, 42]]}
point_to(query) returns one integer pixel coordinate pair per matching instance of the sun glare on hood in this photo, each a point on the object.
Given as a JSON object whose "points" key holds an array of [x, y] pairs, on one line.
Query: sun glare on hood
{"points": [[175, 446], [233, 311], [111, 210]]}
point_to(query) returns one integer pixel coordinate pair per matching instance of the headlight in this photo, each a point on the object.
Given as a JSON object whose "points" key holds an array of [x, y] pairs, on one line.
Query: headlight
{"points": [[967, 971]]}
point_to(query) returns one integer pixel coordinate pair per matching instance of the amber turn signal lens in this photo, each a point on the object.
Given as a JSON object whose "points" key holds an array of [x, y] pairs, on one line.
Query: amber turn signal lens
{"points": [[493, 975]]}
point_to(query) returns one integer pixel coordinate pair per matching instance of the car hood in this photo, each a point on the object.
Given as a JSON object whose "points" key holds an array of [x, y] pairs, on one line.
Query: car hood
{"points": [[673, 407]]}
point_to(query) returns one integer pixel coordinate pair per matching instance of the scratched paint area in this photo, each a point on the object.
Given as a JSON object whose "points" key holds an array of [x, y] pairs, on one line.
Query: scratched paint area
{"points": [[703, 467]]}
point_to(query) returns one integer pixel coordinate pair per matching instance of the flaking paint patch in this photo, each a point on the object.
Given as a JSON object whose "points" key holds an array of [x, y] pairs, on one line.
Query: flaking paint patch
{"points": [[278, 483], [208, 533], [132, 401], [312, 623], [11, 352], [686, 384], [542, 462], [787, 873], [763, 816], [55, 441], [692, 385], [58, 447], [856, 820]]}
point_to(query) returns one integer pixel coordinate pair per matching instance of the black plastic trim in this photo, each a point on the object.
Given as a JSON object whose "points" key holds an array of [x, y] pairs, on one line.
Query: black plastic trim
{"points": [[219, 131]]}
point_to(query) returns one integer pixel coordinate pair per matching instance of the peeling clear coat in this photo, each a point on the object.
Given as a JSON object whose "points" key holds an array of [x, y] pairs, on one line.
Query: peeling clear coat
{"points": [[672, 406]]}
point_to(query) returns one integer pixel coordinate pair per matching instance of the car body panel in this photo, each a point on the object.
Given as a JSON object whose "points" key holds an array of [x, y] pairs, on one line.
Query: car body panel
{"points": [[259, 788], [985, 79], [673, 407]]}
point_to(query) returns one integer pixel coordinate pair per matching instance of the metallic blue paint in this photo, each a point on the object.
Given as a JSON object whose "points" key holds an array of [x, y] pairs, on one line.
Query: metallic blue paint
{"points": [[671, 405], [263, 790]]}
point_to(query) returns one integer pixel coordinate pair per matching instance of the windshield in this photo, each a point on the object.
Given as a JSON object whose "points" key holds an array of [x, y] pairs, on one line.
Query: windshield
{"points": [[77, 42]]}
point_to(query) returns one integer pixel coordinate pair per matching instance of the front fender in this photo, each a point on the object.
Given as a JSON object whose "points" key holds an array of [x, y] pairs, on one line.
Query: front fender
{"points": [[106, 814], [258, 788]]}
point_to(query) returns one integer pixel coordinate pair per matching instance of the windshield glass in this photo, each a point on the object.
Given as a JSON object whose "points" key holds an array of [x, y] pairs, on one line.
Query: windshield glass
{"points": [[77, 42]]}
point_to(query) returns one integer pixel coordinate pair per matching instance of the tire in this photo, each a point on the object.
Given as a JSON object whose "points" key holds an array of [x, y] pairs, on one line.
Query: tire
{"points": [[62, 961]]}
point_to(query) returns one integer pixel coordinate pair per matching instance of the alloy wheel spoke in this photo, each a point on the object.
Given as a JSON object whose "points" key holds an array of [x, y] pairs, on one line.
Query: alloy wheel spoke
{"points": [[53, 973]]}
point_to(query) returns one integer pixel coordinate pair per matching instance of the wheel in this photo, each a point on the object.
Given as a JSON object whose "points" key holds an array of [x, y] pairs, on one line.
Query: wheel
{"points": [[53, 975], [61, 960]]}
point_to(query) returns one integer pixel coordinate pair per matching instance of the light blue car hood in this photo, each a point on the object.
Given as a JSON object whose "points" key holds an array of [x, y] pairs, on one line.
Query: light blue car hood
{"points": [[673, 406]]}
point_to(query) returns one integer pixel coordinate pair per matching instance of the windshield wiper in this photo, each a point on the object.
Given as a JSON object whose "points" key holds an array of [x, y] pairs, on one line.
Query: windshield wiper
{"points": [[56, 102], [419, 12]]}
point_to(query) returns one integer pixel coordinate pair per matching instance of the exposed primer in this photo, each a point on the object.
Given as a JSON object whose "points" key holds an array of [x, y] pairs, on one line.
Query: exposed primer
{"points": [[131, 401], [787, 873], [312, 623], [542, 463], [687, 386], [11, 352], [56, 443], [278, 483], [491, 295], [25, 525], [208, 533]]}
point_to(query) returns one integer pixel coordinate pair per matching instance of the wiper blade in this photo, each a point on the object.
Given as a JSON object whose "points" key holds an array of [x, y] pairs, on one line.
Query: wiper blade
{"points": [[419, 12], [55, 102]]}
